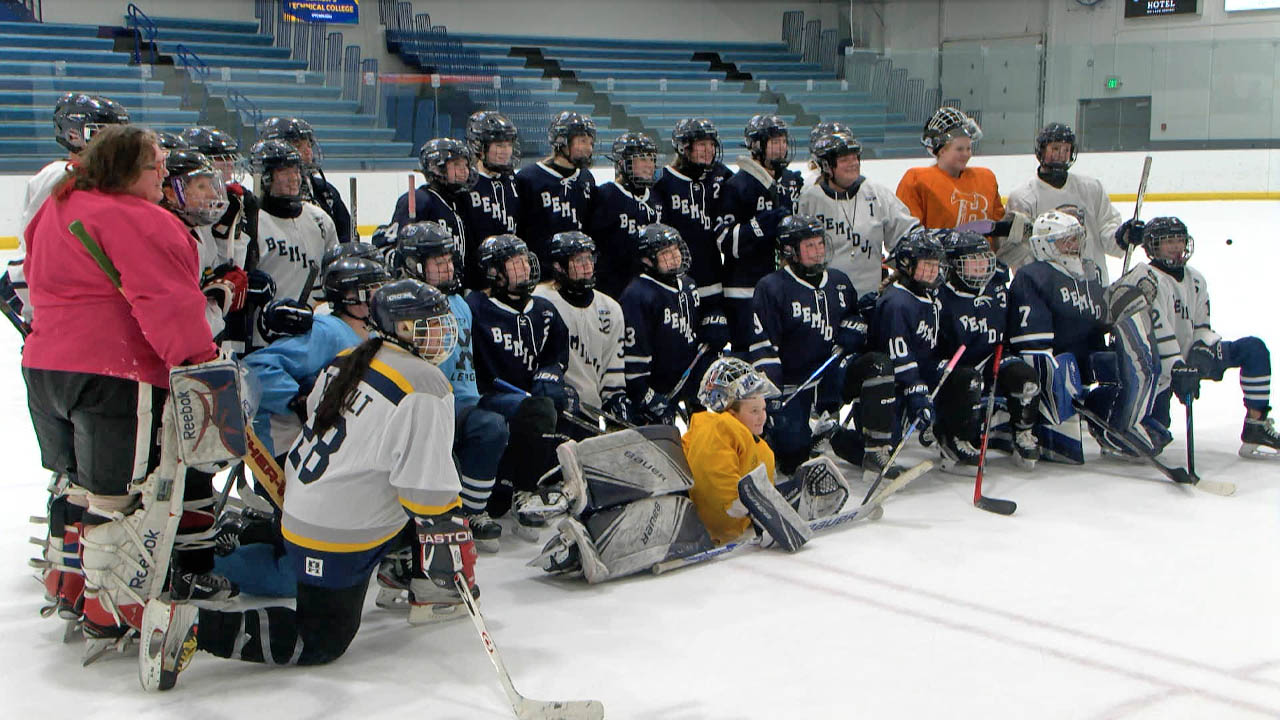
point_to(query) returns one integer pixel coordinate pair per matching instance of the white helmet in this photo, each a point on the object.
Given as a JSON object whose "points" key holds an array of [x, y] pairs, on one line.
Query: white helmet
{"points": [[1057, 237], [729, 380]]}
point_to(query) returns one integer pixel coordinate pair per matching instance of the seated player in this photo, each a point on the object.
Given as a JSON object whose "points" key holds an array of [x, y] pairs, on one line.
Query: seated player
{"points": [[1190, 351]]}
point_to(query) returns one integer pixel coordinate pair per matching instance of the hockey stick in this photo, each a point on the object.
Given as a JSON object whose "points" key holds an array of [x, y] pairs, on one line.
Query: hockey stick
{"points": [[574, 419], [684, 377], [995, 505], [1137, 209], [1191, 440], [525, 708], [1176, 474], [951, 365], [591, 410], [866, 511], [351, 190], [813, 378], [413, 200]]}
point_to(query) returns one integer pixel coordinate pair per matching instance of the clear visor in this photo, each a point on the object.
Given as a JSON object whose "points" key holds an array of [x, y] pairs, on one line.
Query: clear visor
{"points": [[435, 338], [200, 196]]}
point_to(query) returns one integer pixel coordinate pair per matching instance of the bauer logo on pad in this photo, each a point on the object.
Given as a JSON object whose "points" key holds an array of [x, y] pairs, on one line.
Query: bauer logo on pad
{"points": [[210, 417]]}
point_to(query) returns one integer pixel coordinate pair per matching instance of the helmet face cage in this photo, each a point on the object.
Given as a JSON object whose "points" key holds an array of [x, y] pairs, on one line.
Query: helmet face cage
{"points": [[1056, 236], [293, 130], [729, 380], [487, 127], [434, 159], [689, 131], [435, 338], [268, 156], [200, 194], [831, 147], [653, 247], [1162, 230], [793, 231], [760, 130], [419, 244], [566, 126], [496, 253], [919, 246], [626, 149], [970, 259], [947, 124], [433, 330], [566, 247], [170, 141], [1056, 132]]}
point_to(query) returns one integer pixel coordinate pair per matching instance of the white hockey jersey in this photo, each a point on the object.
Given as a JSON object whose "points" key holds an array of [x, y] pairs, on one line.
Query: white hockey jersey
{"points": [[863, 227], [595, 344], [1101, 218], [289, 247], [38, 189], [391, 453], [1181, 312]]}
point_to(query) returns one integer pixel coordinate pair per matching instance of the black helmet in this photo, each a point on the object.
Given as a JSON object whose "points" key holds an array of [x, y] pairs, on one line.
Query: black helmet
{"points": [[831, 147], [435, 330], [920, 244], [564, 247], [77, 116], [970, 262], [489, 126], [1162, 229], [221, 149], [655, 238], [433, 160], [759, 130], [566, 126], [419, 242], [346, 275], [169, 141], [947, 124], [291, 130], [826, 127], [268, 156], [356, 249], [686, 133], [1055, 132], [492, 259], [626, 149], [793, 230], [199, 193]]}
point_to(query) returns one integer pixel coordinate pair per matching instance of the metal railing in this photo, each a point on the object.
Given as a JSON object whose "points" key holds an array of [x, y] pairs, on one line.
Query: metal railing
{"points": [[197, 70], [141, 24], [812, 38], [793, 30]]}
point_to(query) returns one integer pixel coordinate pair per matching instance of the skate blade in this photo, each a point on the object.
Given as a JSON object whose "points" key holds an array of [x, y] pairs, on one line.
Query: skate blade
{"points": [[392, 599], [73, 631], [96, 649], [1249, 451], [528, 533], [488, 546], [432, 613], [1024, 463]]}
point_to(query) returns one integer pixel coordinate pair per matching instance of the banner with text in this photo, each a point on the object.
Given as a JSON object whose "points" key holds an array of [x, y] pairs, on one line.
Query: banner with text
{"points": [[326, 11]]}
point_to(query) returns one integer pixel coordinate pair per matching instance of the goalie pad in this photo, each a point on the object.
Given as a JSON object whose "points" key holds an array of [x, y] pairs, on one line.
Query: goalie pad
{"points": [[771, 512], [1133, 294], [625, 540], [210, 412], [816, 489], [1126, 390], [1060, 384], [624, 466]]}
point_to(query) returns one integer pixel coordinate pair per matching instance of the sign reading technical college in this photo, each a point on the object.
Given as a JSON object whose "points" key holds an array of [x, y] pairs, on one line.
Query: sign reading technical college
{"points": [[326, 11], [1152, 8]]}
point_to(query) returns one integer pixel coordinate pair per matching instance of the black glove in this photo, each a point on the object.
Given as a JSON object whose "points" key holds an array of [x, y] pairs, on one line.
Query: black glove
{"points": [[619, 406], [1129, 234], [446, 548], [655, 410], [867, 303], [284, 318], [549, 383], [919, 408], [713, 330], [1208, 360], [1185, 382], [261, 288], [767, 222], [776, 423]]}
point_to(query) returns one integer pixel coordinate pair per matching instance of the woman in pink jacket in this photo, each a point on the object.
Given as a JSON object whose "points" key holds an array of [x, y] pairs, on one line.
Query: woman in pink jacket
{"points": [[97, 361]]}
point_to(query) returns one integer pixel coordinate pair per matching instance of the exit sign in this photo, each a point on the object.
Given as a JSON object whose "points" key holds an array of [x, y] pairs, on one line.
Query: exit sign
{"points": [[1153, 8], [1113, 83]]}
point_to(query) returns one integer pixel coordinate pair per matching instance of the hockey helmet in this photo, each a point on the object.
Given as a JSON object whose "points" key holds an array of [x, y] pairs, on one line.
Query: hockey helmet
{"points": [[729, 380], [434, 334]]}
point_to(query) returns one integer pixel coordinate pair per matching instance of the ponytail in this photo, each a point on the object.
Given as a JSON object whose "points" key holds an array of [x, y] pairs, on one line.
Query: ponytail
{"points": [[351, 369]]}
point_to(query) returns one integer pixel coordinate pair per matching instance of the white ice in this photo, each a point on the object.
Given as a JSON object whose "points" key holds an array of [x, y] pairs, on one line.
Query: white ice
{"points": [[1111, 593]]}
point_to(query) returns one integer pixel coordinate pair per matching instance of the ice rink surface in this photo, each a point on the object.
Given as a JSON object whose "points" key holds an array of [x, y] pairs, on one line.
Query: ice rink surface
{"points": [[1111, 593]]}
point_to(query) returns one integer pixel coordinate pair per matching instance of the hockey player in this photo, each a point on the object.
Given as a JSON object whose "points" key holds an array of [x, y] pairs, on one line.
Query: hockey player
{"points": [[521, 340], [316, 188], [492, 205], [1190, 351], [863, 219], [375, 449], [556, 192], [665, 343], [974, 307], [595, 323], [949, 193], [239, 223], [442, 199], [194, 191], [427, 252], [813, 172], [1054, 186], [688, 196], [756, 198], [293, 235], [1057, 313], [621, 207], [804, 313]]}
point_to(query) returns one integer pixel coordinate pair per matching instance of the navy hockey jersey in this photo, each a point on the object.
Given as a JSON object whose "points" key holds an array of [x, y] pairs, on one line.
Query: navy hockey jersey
{"points": [[661, 339], [692, 207], [1049, 310], [616, 219], [551, 202], [514, 344], [906, 326], [749, 250], [798, 325], [975, 320], [490, 208], [326, 197], [432, 206]]}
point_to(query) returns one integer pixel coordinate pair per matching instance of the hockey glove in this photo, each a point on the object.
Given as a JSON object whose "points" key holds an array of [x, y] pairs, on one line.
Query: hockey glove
{"points": [[1185, 382], [446, 548], [713, 331], [765, 224], [1208, 360], [1130, 233], [619, 406], [655, 409], [284, 318], [226, 285], [919, 408], [549, 383], [261, 288]]}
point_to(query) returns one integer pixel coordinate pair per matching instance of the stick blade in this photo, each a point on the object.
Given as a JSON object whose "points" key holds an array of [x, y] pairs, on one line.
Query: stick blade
{"points": [[528, 709], [1217, 487], [996, 505]]}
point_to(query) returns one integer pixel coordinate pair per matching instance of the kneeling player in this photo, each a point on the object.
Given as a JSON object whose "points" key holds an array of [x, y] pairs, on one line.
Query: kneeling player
{"points": [[1189, 348], [374, 450]]}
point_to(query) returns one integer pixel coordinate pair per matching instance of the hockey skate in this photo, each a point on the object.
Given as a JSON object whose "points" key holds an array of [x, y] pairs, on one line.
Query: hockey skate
{"points": [[429, 603], [101, 642], [1026, 449], [485, 532], [168, 642], [959, 457], [874, 461], [1259, 439], [393, 576], [206, 589], [533, 511]]}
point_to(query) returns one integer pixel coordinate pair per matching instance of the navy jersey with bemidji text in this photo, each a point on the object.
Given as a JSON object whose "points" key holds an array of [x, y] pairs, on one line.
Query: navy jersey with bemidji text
{"points": [[692, 207], [1050, 309], [490, 208], [617, 216], [514, 344], [975, 320], [798, 324], [906, 326], [661, 337], [552, 202]]}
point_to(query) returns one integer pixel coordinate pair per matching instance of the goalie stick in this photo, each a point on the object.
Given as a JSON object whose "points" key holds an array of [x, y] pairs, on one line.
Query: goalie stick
{"points": [[1137, 209], [568, 416], [525, 708], [866, 511], [995, 505]]}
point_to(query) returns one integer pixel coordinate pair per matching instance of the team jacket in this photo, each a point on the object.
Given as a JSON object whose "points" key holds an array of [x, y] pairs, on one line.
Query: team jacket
{"points": [[288, 248], [460, 367], [617, 217], [390, 453], [1101, 219], [721, 450], [749, 251], [798, 325], [596, 365], [1052, 311], [692, 207], [975, 320], [661, 340], [514, 344], [551, 202], [490, 208], [906, 327], [941, 201], [863, 225]]}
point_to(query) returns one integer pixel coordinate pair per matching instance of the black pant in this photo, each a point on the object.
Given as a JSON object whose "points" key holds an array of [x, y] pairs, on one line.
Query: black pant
{"points": [[318, 632], [102, 430]]}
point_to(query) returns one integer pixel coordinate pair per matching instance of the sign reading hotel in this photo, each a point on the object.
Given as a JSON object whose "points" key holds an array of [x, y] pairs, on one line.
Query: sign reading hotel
{"points": [[1154, 8]]}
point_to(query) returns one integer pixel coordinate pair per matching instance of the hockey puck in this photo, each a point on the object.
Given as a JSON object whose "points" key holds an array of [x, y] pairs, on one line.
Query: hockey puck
{"points": [[1228, 241]]}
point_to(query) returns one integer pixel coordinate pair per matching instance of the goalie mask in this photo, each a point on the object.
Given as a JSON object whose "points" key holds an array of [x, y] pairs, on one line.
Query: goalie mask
{"points": [[427, 251], [415, 316], [804, 247], [1056, 238], [729, 380], [76, 117], [1168, 244], [970, 262], [947, 124], [194, 189]]}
